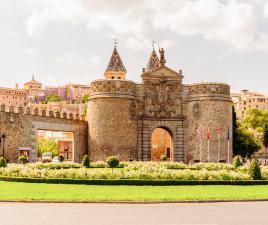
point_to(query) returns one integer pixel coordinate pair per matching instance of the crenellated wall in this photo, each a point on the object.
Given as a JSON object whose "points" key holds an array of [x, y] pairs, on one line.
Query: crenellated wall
{"points": [[21, 125]]}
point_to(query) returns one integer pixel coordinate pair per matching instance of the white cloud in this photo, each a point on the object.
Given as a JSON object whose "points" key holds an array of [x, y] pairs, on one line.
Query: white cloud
{"points": [[265, 10], [261, 42], [233, 22], [68, 11], [140, 44], [31, 51], [71, 59]]}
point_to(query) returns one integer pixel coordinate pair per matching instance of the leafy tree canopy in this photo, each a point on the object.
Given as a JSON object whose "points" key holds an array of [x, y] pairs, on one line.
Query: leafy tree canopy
{"points": [[265, 136], [256, 119], [244, 142], [47, 145], [52, 98], [85, 98]]}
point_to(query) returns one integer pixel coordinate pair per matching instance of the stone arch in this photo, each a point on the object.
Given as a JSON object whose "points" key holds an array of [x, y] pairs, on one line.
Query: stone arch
{"points": [[161, 143], [175, 127]]}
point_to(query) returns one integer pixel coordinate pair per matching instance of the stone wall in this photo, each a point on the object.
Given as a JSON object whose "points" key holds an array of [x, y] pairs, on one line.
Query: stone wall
{"points": [[112, 120], [21, 126], [209, 112]]}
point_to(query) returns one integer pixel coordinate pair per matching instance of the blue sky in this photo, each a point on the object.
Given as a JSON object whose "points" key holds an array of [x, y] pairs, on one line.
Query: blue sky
{"points": [[62, 41]]}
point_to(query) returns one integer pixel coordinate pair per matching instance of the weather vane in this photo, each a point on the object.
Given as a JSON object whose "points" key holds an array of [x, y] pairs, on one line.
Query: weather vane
{"points": [[115, 42], [153, 42]]}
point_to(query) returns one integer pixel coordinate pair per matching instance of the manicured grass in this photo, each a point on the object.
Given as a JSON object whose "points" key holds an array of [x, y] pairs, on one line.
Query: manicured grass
{"points": [[63, 192]]}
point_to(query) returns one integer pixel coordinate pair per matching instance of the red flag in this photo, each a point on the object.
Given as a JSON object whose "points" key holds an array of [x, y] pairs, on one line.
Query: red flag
{"points": [[208, 134]]}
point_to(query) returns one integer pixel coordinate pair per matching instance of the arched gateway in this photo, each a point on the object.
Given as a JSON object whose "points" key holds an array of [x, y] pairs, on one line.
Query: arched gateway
{"points": [[161, 144]]}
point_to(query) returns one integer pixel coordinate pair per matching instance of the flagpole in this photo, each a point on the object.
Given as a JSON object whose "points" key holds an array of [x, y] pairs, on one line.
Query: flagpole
{"points": [[200, 150], [208, 151], [228, 144], [219, 147], [196, 140], [228, 160], [200, 145]]}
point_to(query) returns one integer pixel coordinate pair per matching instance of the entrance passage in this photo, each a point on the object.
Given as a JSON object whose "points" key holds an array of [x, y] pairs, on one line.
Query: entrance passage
{"points": [[58, 142], [161, 144]]}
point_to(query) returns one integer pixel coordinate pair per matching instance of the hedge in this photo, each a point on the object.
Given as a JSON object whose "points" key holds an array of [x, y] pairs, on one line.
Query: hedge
{"points": [[133, 182]]}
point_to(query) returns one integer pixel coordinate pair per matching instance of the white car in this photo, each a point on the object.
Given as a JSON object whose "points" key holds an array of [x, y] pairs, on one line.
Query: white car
{"points": [[56, 159], [46, 157]]}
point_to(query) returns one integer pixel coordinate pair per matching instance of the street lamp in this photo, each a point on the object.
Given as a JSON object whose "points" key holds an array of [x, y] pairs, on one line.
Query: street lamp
{"points": [[3, 138]]}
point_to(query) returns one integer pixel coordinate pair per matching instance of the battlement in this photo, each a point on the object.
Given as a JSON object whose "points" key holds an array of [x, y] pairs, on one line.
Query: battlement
{"points": [[40, 112], [209, 88], [113, 88]]}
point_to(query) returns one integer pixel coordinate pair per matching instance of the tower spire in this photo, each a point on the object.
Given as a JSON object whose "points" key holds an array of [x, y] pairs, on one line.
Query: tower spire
{"points": [[153, 61], [115, 68]]}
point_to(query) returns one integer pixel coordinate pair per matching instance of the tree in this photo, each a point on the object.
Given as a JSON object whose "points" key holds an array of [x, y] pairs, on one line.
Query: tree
{"points": [[244, 142], [247, 144], [85, 98], [255, 118], [47, 145], [265, 137], [235, 134], [86, 162], [254, 170], [52, 98], [112, 161]]}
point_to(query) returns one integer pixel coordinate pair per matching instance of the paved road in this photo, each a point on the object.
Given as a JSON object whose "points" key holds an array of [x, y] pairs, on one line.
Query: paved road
{"points": [[134, 214]]}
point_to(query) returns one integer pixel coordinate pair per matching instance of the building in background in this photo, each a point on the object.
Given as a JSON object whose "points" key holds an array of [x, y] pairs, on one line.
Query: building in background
{"points": [[35, 92], [75, 92], [13, 96], [246, 100], [72, 93]]}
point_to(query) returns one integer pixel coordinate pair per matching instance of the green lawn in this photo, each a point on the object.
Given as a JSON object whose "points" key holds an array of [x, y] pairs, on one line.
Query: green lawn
{"points": [[63, 192]]}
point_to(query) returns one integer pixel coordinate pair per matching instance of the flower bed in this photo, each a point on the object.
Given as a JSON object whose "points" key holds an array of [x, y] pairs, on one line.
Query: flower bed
{"points": [[132, 170]]}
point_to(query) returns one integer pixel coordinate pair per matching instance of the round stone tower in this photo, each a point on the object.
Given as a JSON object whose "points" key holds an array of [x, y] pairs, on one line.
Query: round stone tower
{"points": [[209, 123], [112, 114], [112, 120]]}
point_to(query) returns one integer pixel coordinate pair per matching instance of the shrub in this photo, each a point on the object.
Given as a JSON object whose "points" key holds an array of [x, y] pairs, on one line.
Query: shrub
{"points": [[112, 161], [164, 157], [176, 165], [3, 162], [254, 170], [22, 159], [61, 158], [54, 166], [86, 162], [236, 161]]}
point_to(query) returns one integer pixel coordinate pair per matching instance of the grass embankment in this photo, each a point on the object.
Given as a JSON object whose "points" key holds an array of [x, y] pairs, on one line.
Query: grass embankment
{"points": [[85, 193]]}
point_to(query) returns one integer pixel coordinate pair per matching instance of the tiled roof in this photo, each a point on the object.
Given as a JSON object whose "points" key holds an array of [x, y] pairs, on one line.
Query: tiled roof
{"points": [[153, 62], [115, 63]]}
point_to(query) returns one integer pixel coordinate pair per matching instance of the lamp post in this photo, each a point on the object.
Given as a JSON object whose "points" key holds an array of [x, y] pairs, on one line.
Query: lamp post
{"points": [[3, 138]]}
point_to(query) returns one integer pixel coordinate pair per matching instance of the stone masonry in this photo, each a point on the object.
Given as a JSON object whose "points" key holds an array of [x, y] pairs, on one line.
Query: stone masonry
{"points": [[122, 116], [21, 125]]}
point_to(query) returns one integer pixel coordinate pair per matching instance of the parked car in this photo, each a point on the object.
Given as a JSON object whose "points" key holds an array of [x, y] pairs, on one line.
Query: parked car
{"points": [[47, 157], [58, 159]]}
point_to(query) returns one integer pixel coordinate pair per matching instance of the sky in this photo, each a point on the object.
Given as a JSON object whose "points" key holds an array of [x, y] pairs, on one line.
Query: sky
{"points": [[71, 41]]}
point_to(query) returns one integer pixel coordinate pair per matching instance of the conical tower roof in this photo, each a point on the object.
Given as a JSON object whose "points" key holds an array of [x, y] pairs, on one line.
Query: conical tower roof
{"points": [[115, 63], [115, 69], [153, 62]]}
